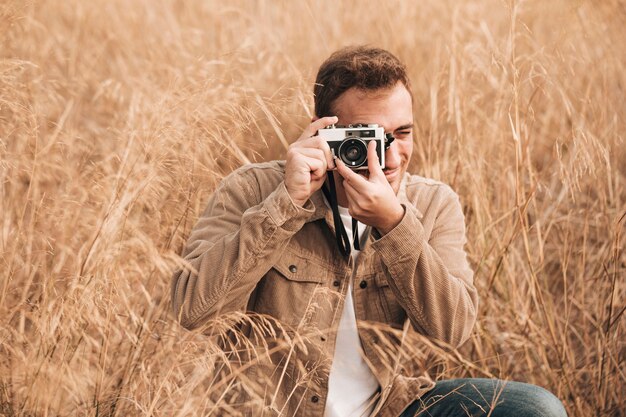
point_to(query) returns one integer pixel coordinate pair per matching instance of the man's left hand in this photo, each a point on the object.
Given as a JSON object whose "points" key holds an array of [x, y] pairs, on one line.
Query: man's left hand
{"points": [[372, 201]]}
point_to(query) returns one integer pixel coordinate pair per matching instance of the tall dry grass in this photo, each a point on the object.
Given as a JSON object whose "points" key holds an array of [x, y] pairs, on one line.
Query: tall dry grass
{"points": [[118, 118]]}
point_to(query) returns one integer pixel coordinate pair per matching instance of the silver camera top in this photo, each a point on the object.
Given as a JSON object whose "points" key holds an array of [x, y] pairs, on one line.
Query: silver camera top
{"points": [[353, 126]]}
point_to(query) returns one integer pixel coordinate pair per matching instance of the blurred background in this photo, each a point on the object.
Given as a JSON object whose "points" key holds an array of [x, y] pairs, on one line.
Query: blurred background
{"points": [[118, 119]]}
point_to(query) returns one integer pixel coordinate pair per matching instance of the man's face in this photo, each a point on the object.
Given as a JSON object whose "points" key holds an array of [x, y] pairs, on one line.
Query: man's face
{"points": [[391, 109]]}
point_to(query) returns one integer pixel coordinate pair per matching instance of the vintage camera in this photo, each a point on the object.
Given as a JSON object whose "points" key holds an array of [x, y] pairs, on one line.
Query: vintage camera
{"points": [[349, 143]]}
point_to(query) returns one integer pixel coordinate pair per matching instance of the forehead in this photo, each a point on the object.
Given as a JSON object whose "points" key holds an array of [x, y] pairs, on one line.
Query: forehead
{"points": [[390, 107]]}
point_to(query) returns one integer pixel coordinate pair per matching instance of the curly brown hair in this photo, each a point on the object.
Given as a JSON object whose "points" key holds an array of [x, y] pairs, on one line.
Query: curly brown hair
{"points": [[363, 67]]}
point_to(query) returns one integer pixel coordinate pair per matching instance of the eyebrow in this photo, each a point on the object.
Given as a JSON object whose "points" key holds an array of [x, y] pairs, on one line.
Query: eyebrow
{"points": [[405, 127]]}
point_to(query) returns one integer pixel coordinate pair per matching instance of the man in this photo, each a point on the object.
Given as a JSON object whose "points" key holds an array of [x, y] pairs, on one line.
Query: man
{"points": [[266, 244]]}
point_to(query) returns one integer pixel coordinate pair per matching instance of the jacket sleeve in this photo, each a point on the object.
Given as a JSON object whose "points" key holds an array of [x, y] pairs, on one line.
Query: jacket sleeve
{"points": [[234, 243], [430, 276]]}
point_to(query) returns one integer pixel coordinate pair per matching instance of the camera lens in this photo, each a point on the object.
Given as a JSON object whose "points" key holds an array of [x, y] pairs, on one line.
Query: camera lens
{"points": [[353, 152]]}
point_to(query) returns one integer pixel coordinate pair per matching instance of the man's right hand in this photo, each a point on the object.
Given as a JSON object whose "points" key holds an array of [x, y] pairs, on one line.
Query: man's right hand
{"points": [[308, 160]]}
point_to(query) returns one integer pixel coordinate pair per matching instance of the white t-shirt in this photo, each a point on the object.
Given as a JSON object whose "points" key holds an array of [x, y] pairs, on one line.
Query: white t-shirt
{"points": [[352, 385]]}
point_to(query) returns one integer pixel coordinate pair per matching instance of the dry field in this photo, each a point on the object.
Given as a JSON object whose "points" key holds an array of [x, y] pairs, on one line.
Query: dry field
{"points": [[118, 118]]}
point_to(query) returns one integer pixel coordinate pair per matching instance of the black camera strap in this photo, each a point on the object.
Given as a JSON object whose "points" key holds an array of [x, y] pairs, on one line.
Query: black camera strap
{"points": [[340, 232]]}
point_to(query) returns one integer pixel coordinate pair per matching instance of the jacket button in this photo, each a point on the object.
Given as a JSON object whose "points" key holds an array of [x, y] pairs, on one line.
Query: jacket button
{"points": [[336, 283], [363, 284], [293, 269], [315, 399]]}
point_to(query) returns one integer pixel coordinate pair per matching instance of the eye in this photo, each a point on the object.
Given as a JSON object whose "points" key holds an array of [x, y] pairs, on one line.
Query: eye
{"points": [[402, 133]]}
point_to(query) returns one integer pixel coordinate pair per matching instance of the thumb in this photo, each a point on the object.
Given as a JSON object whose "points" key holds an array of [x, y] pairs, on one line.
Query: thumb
{"points": [[373, 164]]}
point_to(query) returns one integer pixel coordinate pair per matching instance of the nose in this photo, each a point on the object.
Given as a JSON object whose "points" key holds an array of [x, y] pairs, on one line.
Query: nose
{"points": [[392, 157]]}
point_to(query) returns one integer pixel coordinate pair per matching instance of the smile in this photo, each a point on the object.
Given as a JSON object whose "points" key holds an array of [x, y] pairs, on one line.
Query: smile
{"points": [[389, 172]]}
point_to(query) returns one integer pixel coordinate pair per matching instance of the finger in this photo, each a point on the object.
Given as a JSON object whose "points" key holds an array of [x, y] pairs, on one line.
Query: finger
{"points": [[350, 176], [330, 158], [315, 153], [312, 129], [354, 200], [316, 166], [316, 142], [351, 192], [373, 164], [302, 157], [357, 195]]}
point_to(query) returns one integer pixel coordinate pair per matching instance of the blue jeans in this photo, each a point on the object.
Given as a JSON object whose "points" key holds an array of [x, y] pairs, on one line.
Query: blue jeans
{"points": [[486, 397]]}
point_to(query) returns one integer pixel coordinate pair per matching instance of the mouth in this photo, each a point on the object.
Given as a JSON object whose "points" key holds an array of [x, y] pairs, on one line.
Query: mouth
{"points": [[391, 172]]}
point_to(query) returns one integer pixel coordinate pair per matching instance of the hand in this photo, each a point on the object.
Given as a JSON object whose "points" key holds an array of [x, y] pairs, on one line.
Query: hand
{"points": [[371, 200], [308, 159]]}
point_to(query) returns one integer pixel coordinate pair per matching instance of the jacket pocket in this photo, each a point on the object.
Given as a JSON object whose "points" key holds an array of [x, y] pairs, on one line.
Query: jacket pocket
{"points": [[394, 313], [289, 290]]}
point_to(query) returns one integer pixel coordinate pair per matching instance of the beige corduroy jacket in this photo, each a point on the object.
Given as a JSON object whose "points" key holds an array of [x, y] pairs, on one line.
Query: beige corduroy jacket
{"points": [[253, 250]]}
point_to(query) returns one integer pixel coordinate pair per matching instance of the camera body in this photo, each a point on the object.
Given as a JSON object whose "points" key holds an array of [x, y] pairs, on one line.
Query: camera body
{"points": [[349, 143]]}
